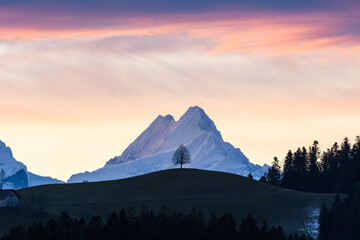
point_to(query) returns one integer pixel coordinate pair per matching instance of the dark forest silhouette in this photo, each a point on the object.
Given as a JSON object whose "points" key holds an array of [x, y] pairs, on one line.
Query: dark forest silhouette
{"points": [[147, 226], [336, 170]]}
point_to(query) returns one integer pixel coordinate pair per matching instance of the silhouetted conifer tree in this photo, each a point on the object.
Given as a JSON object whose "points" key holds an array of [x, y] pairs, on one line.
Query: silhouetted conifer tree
{"points": [[288, 180], [313, 169], [273, 175]]}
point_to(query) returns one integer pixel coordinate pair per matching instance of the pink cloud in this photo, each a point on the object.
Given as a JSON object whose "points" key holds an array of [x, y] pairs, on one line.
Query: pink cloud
{"points": [[261, 32]]}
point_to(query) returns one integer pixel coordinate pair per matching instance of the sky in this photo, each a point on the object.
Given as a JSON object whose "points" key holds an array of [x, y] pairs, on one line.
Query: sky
{"points": [[80, 80]]}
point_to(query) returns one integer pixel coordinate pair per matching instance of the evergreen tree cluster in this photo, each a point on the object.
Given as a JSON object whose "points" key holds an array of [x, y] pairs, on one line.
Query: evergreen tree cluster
{"points": [[342, 220], [147, 226], [307, 169]]}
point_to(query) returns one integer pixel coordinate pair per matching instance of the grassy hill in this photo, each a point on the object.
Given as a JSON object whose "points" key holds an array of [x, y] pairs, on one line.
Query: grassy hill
{"points": [[180, 190]]}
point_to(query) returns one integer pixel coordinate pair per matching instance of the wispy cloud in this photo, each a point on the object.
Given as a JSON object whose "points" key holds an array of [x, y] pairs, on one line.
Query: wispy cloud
{"points": [[128, 70]]}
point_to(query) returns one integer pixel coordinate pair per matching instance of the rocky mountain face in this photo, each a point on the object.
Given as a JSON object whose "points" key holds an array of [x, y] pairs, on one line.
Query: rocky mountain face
{"points": [[153, 150], [18, 180]]}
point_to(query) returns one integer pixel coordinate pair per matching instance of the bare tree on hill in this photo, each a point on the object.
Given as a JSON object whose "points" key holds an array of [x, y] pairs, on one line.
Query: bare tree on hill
{"points": [[181, 156]]}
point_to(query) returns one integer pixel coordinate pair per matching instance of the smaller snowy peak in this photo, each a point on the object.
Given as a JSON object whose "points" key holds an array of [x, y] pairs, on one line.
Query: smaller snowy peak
{"points": [[8, 162], [16, 172]]}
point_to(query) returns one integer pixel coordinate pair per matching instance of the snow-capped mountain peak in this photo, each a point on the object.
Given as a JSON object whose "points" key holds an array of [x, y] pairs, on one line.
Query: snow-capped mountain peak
{"points": [[153, 149], [165, 134]]}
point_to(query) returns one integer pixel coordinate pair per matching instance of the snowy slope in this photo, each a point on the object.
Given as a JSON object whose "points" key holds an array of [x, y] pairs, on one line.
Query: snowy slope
{"points": [[11, 166], [36, 180], [153, 149]]}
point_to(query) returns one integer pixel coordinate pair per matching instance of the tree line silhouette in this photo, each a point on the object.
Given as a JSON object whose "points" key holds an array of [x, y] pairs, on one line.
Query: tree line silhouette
{"points": [[148, 226], [335, 170]]}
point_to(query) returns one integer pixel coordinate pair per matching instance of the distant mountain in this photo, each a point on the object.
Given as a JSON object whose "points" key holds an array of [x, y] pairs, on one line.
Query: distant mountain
{"points": [[16, 172], [153, 150]]}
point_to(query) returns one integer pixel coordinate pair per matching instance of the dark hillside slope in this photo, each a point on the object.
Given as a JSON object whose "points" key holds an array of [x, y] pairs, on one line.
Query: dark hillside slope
{"points": [[180, 190], [167, 184]]}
